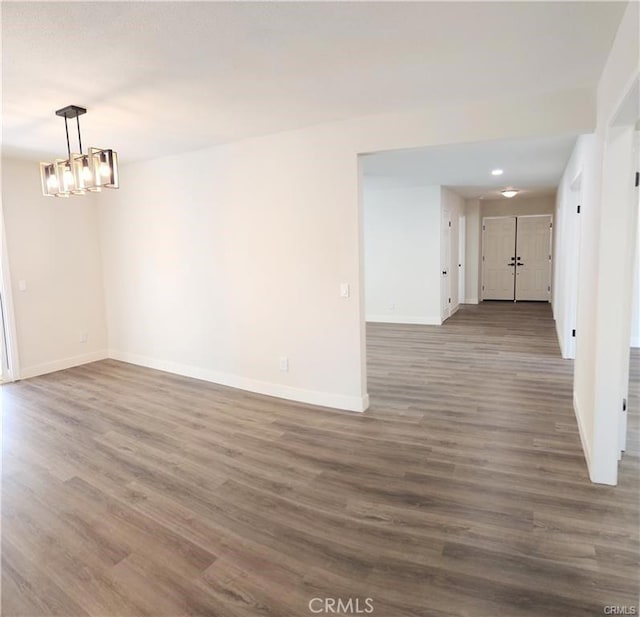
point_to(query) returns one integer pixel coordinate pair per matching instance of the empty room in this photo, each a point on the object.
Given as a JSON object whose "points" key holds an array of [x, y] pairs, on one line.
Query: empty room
{"points": [[320, 308]]}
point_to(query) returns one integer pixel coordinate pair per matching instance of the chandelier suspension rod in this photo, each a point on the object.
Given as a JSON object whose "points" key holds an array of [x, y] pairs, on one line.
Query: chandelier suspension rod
{"points": [[66, 128], [79, 138]]}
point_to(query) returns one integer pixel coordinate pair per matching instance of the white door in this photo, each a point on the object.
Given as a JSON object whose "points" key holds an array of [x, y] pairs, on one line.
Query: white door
{"points": [[445, 262], [498, 258], [533, 252]]}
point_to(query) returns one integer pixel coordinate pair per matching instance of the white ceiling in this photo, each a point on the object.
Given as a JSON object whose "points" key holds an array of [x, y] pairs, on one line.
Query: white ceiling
{"points": [[166, 77], [533, 166]]}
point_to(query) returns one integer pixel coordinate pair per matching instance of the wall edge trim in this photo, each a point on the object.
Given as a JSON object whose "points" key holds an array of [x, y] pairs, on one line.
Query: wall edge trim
{"points": [[62, 364], [405, 319], [300, 395]]}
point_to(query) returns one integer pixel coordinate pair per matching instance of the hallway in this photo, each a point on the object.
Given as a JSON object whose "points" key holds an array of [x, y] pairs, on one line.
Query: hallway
{"points": [[493, 399], [462, 492], [493, 374]]}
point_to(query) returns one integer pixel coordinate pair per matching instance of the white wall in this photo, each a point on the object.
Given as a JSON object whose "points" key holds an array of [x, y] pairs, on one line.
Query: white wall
{"points": [[454, 204], [577, 187], [238, 263], [604, 296], [472, 252], [220, 261], [402, 254], [520, 205], [53, 246]]}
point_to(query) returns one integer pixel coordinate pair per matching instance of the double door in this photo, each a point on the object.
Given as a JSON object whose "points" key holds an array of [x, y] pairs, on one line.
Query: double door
{"points": [[516, 258]]}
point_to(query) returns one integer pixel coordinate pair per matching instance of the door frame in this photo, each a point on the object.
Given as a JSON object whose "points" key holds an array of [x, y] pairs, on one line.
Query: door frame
{"points": [[514, 216], [11, 339], [574, 220], [445, 264], [612, 327], [632, 244], [462, 256]]}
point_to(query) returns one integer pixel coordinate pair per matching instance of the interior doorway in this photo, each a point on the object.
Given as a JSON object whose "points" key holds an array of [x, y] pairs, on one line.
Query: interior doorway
{"points": [[613, 308], [574, 222], [445, 238], [4, 349], [632, 436], [628, 422], [516, 257], [8, 340], [462, 241]]}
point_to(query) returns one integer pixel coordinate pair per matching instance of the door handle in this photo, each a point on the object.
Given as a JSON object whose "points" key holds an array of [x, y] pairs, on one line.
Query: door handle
{"points": [[511, 263], [519, 264], [444, 272]]}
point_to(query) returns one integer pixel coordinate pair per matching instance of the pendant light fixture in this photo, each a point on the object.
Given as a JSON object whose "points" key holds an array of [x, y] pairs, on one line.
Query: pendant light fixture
{"points": [[79, 173]]}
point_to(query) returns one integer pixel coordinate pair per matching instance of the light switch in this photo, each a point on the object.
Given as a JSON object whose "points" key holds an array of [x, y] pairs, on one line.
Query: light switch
{"points": [[344, 290], [22, 285]]}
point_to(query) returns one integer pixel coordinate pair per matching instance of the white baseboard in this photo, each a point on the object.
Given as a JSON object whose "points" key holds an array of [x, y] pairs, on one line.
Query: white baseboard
{"points": [[635, 342], [471, 301], [561, 341], [405, 319], [312, 397], [60, 365], [586, 449]]}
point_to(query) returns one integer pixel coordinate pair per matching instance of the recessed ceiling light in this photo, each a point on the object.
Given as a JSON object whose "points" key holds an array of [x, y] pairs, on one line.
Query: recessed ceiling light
{"points": [[509, 193], [497, 172]]}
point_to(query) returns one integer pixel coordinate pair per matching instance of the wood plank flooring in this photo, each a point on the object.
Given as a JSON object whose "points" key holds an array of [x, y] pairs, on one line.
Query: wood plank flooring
{"points": [[461, 492]]}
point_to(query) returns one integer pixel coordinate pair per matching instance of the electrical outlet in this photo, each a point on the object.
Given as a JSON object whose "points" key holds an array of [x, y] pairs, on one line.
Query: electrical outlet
{"points": [[84, 337], [284, 364]]}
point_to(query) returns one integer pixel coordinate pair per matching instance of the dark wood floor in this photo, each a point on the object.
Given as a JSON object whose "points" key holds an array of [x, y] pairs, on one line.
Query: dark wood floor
{"points": [[462, 492]]}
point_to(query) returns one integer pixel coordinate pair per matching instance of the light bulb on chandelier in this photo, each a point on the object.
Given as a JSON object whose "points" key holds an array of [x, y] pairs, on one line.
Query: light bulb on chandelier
{"points": [[86, 172], [52, 179], [68, 176], [104, 166]]}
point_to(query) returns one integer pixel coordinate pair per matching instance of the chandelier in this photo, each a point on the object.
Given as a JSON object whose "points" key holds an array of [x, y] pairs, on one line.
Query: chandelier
{"points": [[79, 173]]}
